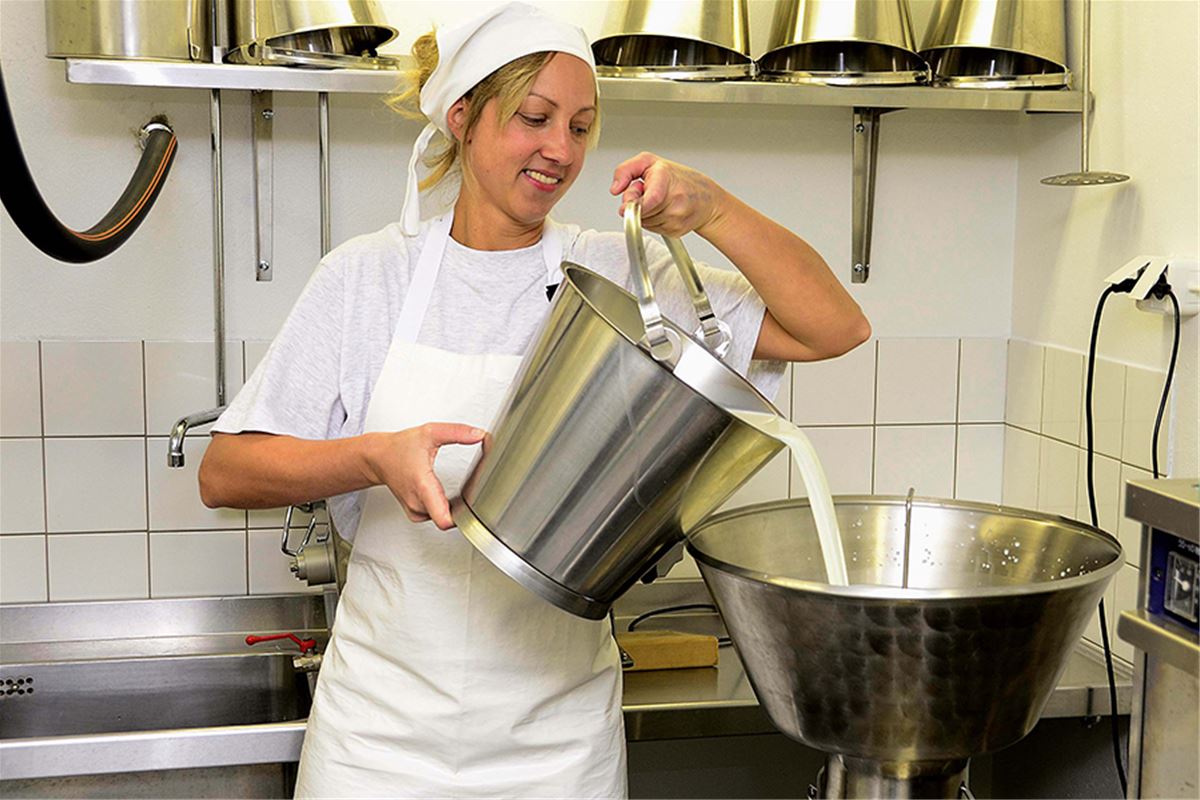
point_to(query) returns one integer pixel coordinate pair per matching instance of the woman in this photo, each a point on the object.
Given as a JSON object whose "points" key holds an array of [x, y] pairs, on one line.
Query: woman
{"points": [[444, 677]]}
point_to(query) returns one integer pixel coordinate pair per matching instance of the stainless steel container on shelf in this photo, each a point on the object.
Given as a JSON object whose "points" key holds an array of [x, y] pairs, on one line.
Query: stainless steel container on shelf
{"points": [[705, 40], [615, 438], [842, 43], [140, 30], [901, 686], [998, 44], [320, 33]]}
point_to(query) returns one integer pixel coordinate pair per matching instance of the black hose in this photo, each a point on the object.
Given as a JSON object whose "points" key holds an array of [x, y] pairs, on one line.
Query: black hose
{"points": [[34, 218], [1166, 392], [1114, 726]]}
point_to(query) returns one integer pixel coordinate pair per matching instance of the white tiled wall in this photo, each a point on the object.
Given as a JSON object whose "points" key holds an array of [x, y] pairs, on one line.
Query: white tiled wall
{"points": [[1045, 451], [89, 509], [925, 413]]}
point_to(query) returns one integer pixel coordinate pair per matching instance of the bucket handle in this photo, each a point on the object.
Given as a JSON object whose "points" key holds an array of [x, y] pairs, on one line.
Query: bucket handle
{"points": [[663, 342]]}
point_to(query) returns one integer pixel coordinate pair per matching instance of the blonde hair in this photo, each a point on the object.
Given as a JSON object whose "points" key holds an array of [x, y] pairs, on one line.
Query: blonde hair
{"points": [[509, 85]]}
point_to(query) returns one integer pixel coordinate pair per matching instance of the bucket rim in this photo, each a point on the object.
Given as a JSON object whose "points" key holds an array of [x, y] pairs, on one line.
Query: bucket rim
{"points": [[894, 594], [687, 341]]}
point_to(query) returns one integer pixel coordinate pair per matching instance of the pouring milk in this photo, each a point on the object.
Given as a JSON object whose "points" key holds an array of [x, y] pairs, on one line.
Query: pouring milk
{"points": [[819, 498]]}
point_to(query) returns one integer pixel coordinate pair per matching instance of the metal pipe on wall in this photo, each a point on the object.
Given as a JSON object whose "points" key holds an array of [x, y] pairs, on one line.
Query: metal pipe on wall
{"points": [[218, 210], [323, 141]]}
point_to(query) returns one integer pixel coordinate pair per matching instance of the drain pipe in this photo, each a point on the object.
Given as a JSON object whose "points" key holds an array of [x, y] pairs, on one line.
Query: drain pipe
{"points": [[179, 430]]}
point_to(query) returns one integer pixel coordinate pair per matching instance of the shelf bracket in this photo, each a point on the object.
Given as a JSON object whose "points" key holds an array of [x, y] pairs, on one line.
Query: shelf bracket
{"points": [[262, 114], [865, 147]]}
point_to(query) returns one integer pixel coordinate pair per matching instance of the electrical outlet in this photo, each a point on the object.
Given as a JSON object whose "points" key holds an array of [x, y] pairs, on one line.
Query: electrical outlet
{"points": [[1184, 277]]}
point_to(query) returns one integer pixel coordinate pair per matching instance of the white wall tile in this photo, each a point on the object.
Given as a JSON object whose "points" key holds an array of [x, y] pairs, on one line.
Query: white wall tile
{"points": [[979, 463], [1021, 454], [180, 379], [847, 456], [1143, 391], [1108, 408], [197, 563], [1129, 532], [95, 484], [93, 388], [23, 569], [175, 491], [1107, 474], [917, 381], [273, 518], [1058, 472], [20, 390], [98, 566], [981, 378], [22, 500], [1062, 393], [1023, 386], [921, 457], [269, 572], [1124, 599], [839, 391]]}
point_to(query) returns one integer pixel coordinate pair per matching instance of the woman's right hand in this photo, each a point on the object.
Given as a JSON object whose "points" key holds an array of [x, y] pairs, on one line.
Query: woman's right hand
{"points": [[403, 461]]}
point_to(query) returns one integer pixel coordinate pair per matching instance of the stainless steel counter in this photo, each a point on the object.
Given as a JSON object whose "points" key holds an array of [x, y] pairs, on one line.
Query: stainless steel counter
{"points": [[674, 704]]}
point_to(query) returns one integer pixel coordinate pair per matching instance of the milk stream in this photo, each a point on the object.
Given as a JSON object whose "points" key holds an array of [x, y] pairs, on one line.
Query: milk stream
{"points": [[819, 497]]}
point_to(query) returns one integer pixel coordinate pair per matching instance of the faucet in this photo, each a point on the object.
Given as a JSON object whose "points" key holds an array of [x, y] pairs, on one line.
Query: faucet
{"points": [[180, 429]]}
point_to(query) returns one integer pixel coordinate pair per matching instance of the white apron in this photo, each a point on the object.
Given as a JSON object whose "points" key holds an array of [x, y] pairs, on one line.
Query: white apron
{"points": [[444, 677]]}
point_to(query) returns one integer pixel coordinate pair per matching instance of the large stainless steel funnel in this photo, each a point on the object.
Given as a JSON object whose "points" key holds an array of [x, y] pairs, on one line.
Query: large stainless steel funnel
{"points": [[904, 685], [704, 40], [616, 438], [320, 33], [842, 43], [140, 30], [998, 44]]}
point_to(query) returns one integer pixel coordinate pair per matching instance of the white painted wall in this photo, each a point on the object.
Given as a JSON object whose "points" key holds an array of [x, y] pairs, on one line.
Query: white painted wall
{"points": [[1068, 240], [945, 213]]}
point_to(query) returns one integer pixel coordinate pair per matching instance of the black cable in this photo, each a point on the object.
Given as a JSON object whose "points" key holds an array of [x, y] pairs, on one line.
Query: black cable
{"points": [[638, 620], [1162, 403], [1091, 486], [24, 203]]}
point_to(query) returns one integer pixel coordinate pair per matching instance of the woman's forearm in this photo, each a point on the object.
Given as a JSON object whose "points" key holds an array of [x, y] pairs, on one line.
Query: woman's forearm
{"points": [[797, 286], [262, 470]]}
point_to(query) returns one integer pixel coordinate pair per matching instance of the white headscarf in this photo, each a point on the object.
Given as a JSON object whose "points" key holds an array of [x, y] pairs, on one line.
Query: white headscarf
{"points": [[468, 53]]}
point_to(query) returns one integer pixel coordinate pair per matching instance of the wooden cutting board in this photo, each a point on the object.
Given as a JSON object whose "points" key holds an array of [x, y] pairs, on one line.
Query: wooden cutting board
{"points": [[668, 650]]}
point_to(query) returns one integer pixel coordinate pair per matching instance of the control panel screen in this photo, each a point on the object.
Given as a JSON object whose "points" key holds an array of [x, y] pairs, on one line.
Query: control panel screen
{"points": [[1180, 595]]}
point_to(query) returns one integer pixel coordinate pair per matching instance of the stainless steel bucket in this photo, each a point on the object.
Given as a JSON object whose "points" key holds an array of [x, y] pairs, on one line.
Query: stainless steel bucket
{"points": [[704, 40], [315, 33], [140, 30], [842, 43], [904, 684], [615, 438], [998, 44]]}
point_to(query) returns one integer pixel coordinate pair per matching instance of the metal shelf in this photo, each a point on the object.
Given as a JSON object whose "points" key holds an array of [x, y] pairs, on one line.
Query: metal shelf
{"points": [[291, 79], [867, 104]]}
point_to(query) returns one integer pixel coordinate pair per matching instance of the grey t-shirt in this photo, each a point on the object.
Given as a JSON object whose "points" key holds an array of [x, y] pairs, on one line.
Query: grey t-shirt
{"points": [[315, 380]]}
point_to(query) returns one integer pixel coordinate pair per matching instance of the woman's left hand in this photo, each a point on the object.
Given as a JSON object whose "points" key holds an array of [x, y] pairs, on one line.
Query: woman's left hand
{"points": [[675, 199]]}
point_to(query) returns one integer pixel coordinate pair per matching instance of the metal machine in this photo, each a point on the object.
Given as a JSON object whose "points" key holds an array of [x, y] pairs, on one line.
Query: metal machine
{"points": [[958, 622], [1164, 729]]}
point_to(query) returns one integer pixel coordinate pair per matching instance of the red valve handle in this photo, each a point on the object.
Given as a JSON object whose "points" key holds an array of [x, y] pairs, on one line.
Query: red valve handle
{"points": [[305, 645]]}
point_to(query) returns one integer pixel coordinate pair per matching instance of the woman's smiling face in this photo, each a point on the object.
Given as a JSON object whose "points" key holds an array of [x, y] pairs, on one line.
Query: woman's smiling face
{"points": [[525, 165]]}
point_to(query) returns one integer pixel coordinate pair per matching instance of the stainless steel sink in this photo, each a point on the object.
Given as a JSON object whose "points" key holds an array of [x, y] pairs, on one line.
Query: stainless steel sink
{"points": [[143, 694], [108, 687]]}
